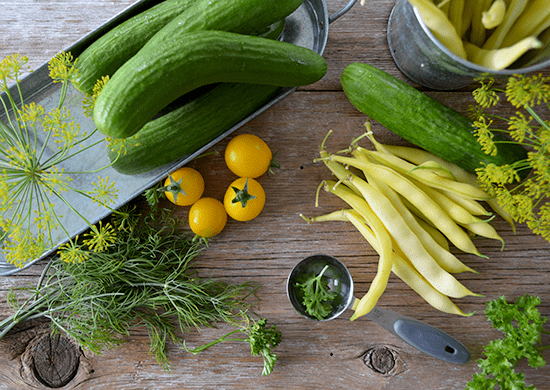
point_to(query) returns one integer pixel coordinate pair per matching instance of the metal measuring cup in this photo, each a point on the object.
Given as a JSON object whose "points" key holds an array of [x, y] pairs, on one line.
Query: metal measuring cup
{"points": [[424, 337]]}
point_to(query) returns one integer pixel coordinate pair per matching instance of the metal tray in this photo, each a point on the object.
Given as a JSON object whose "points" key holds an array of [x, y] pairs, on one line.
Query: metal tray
{"points": [[306, 27]]}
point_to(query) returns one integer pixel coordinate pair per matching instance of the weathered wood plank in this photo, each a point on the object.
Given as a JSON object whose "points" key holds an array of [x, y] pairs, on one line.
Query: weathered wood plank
{"points": [[331, 355]]}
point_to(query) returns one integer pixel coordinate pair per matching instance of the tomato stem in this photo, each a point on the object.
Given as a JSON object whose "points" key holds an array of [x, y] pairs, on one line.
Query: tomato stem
{"points": [[242, 195]]}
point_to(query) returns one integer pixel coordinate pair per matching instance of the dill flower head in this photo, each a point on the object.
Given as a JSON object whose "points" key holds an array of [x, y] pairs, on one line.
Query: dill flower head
{"points": [[528, 200], [33, 174]]}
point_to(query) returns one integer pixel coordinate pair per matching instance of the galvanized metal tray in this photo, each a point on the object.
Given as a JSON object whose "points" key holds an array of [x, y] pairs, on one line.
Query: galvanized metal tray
{"points": [[306, 27]]}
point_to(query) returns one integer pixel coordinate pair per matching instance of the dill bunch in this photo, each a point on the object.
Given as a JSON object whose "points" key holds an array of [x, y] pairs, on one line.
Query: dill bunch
{"points": [[36, 144], [143, 279], [522, 188]]}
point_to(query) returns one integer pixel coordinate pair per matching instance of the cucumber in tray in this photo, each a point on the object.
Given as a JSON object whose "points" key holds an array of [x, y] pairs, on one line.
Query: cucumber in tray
{"points": [[420, 119], [108, 53], [165, 69], [190, 122], [186, 129]]}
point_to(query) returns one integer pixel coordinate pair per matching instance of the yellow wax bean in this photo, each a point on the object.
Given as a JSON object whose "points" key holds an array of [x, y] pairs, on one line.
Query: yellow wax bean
{"points": [[467, 16], [440, 25], [424, 176], [444, 258], [419, 199], [472, 206], [383, 238], [401, 267], [380, 280], [543, 25], [337, 169], [514, 9], [419, 156], [408, 241], [444, 5], [478, 32], [494, 16], [503, 213], [535, 12], [484, 229], [498, 59], [453, 209], [404, 270], [456, 10], [439, 238], [437, 169], [407, 273]]}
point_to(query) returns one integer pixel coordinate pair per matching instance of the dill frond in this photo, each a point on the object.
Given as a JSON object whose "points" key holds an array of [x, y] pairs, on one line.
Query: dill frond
{"points": [[30, 178]]}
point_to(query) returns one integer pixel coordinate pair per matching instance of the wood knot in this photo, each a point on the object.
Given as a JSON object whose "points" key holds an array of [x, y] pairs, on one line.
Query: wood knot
{"points": [[55, 360], [379, 359]]}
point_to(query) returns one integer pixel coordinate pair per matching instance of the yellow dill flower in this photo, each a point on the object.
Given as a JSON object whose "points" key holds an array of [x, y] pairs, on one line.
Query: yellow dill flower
{"points": [[492, 174], [71, 252], [6, 198], [46, 218], [55, 180], [89, 100], [485, 96], [121, 145], [11, 66], [31, 113], [62, 68], [528, 200], [541, 225], [526, 91], [23, 246], [101, 237], [104, 192], [30, 174], [520, 127], [485, 136], [65, 130]]}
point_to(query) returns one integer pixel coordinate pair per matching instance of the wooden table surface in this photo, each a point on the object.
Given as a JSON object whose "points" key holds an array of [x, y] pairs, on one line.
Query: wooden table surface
{"points": [[338, 354]]}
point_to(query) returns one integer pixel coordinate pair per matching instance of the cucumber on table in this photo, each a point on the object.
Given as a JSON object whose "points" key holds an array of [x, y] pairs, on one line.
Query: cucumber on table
{"points": [[171, 67], [420, 119], [113, 49]]}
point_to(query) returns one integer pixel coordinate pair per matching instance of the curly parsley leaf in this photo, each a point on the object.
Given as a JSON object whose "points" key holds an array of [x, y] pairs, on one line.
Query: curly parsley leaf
{"points": [[522, 325], [262, 341], [317, 298]]}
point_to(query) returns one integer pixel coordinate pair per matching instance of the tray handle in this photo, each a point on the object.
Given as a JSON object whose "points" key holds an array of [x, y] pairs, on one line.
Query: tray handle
{"points": [[342, 11]]}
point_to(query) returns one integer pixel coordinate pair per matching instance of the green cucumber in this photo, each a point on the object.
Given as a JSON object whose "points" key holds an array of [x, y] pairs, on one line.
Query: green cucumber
{"points": [[239, 16], [420, 119], [161, 73], [188, 124], [117, 46], [107, 53], [186, 129]]}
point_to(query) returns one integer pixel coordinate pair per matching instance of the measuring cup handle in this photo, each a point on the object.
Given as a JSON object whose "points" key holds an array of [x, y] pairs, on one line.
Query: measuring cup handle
{"points": [[431, 340]]}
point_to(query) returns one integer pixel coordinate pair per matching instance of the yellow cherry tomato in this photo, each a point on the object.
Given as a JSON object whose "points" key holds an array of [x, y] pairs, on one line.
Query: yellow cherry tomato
{"points": [[244, 199], [184, 186], [207, 217], [247, 155]]}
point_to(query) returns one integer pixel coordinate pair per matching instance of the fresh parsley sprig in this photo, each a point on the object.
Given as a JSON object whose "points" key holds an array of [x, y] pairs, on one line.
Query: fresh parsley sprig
{"points": [[317, 298], [522, 324], [262, 341]]}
